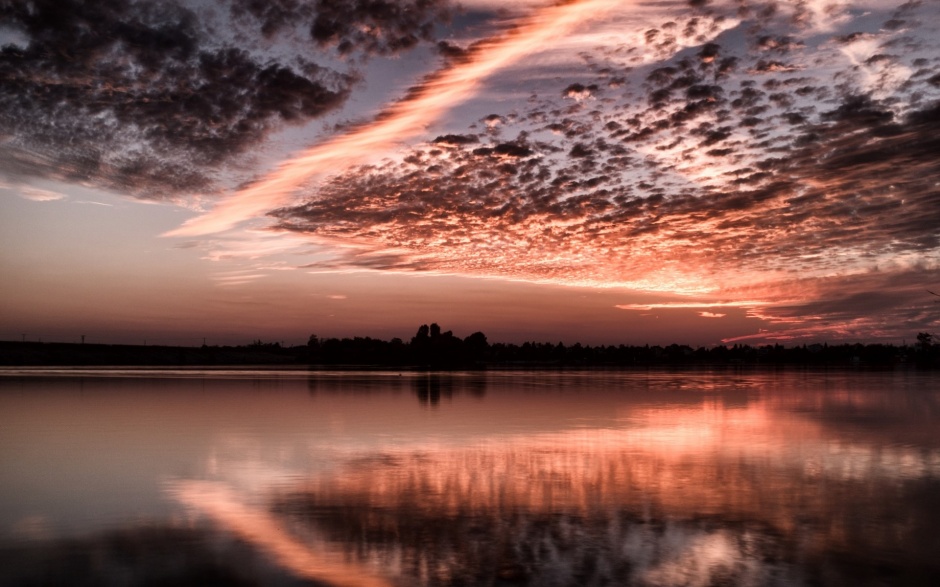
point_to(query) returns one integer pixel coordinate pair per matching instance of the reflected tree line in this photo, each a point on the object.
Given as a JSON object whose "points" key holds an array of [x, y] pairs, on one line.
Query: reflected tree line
{"points": [[429, 387]]}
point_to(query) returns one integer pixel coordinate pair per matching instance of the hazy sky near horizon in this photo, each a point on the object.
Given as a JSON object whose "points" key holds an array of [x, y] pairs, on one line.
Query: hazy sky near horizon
{"points": [[598, 170]]}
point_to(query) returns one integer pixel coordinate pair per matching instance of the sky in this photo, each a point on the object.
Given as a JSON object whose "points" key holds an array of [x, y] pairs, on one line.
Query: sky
{"points": [[599, 171]]}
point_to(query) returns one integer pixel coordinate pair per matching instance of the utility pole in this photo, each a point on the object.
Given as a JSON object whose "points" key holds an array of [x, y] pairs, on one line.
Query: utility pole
{"points": [[83, 339]]}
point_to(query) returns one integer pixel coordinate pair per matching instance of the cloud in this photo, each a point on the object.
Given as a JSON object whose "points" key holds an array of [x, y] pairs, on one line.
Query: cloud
{"points": [[150, 99], [236, 278], [743, 154], [371, 27], [884, 303], [377, 26], [696, 304], [446, 204], [262, 530], [717, 181], [405, 119], [456, 140], [579, 91], [39, 195]]}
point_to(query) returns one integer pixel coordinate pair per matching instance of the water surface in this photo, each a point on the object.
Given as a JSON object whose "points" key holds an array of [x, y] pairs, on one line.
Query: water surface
{"points": [[726, 477]]}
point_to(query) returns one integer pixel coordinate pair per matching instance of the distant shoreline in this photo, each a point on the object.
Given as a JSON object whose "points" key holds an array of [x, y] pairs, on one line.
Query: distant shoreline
{"points": [[370, 354]]}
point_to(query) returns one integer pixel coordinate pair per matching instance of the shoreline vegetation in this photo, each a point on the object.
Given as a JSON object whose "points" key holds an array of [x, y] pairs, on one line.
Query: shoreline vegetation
{"points": [[432, 349]]}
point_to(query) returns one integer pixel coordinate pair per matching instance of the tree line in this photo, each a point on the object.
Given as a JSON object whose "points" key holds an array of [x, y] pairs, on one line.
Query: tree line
{"points": [[430, 347]]}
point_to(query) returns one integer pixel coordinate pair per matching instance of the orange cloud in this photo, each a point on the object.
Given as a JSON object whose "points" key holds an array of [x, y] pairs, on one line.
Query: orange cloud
{"points": [[693, 305], [711, 315]]}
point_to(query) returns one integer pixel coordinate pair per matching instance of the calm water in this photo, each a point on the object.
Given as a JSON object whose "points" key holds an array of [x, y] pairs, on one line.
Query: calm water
{"points": [[117, 477]]}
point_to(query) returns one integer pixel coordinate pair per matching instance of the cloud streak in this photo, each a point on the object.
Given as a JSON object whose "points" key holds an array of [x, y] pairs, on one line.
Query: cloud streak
{"points": [[39, 195], [263, 530]]}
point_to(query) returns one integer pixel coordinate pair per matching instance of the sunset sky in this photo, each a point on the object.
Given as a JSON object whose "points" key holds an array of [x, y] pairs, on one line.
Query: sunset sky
{"points": [[595, 171]]}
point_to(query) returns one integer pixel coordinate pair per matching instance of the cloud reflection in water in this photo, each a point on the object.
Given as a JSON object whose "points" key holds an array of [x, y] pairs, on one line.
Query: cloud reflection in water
{"points": [[735, 486]]}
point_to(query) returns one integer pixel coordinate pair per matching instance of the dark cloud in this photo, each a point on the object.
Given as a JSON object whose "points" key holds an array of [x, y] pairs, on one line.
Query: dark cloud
{"points": [[494, 120], [855, 187], [145, 98], [451, 51], [457, 139], [580, 91], [271, 16], [515, 149], [376, 26], [368, 27], [860, 111], [709, 52], [773, 66], [580, 151]]}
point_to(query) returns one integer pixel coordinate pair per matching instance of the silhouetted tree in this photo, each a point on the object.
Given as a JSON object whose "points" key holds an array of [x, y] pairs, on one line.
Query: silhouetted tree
{"points": [[422, 335], [925, 340], [927, 351], [476, 346]]}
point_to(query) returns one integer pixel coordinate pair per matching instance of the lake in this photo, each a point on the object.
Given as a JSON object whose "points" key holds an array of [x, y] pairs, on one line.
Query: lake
{"points": [[277, 477]]}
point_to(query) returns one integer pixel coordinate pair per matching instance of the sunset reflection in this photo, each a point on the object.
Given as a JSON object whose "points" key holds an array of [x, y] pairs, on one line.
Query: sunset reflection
{"points": [[736, 485], [260, 529]]}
